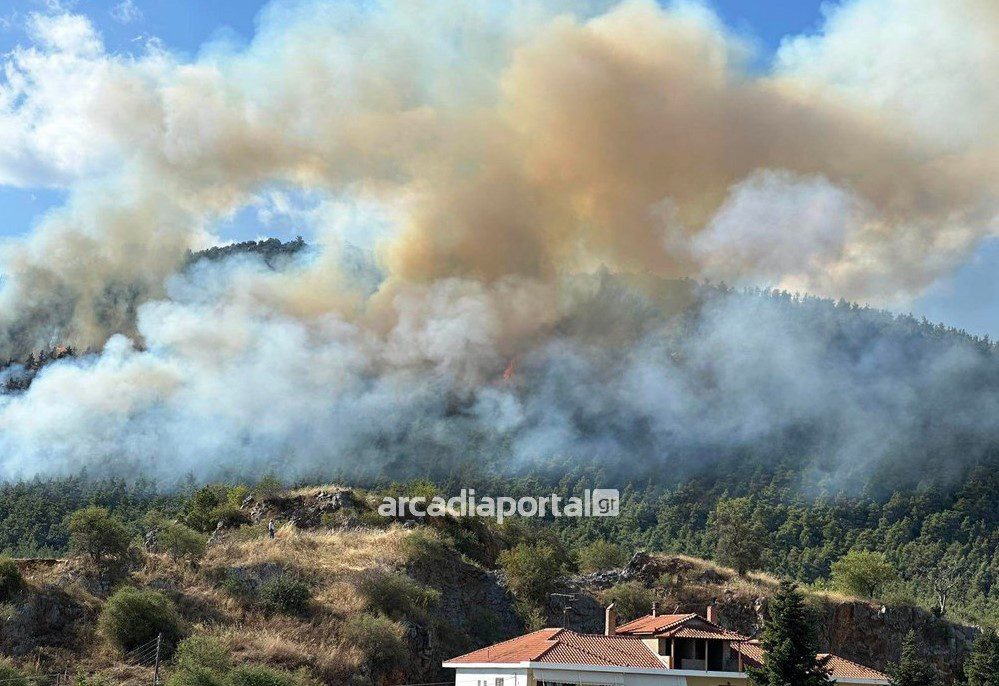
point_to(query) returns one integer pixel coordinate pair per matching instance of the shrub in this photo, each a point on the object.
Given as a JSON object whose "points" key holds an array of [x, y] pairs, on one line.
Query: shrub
{"points": [[380, 640], [601, 555], [96, 533], [11, 581], [255, 675], [285, 594], [202, 652], [397, 596], [631, 599], [11, 675], [203, 661], [862, 573], [268, 487], [181, 542], [238, 586], [199, 676], [424, 546], [532, 570], [91, 680], [228, 514], [134, 617], [237, 494], [209, 506]]}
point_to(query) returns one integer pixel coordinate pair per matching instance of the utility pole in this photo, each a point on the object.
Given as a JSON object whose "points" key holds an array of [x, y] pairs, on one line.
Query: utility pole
{"points": [[156, 669]]}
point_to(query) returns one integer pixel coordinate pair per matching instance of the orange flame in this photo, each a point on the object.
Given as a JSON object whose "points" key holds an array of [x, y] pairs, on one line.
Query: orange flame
{"points": [[510, 369]]}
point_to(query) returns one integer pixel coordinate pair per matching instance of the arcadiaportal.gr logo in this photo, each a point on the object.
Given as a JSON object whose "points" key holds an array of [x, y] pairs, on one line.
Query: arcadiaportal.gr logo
{"points": [[599, 502]]}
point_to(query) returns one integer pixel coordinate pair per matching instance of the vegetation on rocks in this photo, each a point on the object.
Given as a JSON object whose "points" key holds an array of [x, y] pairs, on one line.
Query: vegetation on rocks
{"points": [[11, 580]]}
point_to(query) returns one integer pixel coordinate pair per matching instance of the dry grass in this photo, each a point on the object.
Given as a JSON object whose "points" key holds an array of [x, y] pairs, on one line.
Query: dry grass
{"points": [[322, 555], [333, 563], [312, 491]]}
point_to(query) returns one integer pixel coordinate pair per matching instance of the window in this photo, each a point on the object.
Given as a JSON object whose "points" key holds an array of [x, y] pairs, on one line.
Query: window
{"points": [[499, 681]]}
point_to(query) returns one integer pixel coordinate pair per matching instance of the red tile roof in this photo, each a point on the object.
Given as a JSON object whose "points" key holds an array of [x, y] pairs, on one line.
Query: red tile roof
{"points": [[841, 668], [562, 646], [566, 647], [650, 624], [846, 669], [678, 626], [525, 648], [696, 632]]}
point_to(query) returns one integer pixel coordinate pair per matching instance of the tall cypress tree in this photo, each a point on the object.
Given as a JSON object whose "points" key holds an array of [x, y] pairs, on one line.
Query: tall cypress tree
{"points": [[982, 667], [912, 669], [790, 644]]}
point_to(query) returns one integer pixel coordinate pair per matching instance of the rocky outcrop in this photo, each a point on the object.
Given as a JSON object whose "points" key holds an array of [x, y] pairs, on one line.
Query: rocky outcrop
{"points": [[872, 634], [304, 511], [474, 607], [46, 618]]}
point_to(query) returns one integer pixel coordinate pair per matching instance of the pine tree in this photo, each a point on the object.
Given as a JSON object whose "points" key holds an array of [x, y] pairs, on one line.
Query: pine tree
{"points": [[740, 535], [982, 667], [790, 644], [912, 669]]}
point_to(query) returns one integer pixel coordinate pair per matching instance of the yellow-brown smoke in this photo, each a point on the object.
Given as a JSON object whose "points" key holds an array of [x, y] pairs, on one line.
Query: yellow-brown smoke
{"points": [[529, 142]]}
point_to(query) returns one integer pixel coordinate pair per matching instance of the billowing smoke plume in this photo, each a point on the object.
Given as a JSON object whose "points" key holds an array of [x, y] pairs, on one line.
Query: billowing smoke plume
{"points": [[491, 155]]}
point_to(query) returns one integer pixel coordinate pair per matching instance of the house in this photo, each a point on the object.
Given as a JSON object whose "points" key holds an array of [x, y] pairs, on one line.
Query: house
{"points": [[654, 650]]}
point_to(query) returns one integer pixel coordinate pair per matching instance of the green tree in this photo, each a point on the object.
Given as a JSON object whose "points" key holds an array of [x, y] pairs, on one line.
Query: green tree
{"points": [[982, 665], [11, 581], [133, 617], [631, 599], [532, 570], [96, 533], [790, 644], [863, 573], [601, 555], [740, 536], [912, 668], [181, 542]]}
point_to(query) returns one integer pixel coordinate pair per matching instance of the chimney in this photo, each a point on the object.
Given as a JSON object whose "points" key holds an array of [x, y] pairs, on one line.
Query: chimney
{"points": [[712, 613], [610, 620], [655, 609]]}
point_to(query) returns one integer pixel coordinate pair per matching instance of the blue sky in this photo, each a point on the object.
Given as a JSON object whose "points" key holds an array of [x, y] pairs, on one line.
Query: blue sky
{"points": [[968, 299]]}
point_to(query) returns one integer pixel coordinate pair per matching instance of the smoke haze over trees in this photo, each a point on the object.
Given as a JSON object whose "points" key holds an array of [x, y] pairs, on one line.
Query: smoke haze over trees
{"points": [[538, 190]]}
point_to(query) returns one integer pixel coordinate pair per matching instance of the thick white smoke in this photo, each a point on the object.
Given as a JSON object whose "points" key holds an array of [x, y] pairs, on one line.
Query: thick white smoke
{"points": [[499, 151]]}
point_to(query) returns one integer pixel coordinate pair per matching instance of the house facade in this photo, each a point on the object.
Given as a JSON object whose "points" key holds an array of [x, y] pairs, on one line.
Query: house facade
{"points": [[655, 650]]}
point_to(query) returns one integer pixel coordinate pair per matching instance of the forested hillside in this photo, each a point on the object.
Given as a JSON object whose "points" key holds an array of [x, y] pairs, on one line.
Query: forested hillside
{"points": [[935, 540]]}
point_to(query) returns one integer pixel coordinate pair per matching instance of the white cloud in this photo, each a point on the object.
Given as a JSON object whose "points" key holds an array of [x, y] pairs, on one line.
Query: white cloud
{"points": [[126, 12], [930, 63]]}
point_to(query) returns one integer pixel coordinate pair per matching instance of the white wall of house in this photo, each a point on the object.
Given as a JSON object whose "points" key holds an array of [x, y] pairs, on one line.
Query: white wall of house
{"points": [[570, 676], [488, 676]]}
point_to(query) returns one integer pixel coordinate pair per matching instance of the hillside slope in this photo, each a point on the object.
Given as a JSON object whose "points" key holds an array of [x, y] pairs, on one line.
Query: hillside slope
{"points": [[376, 584]]}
